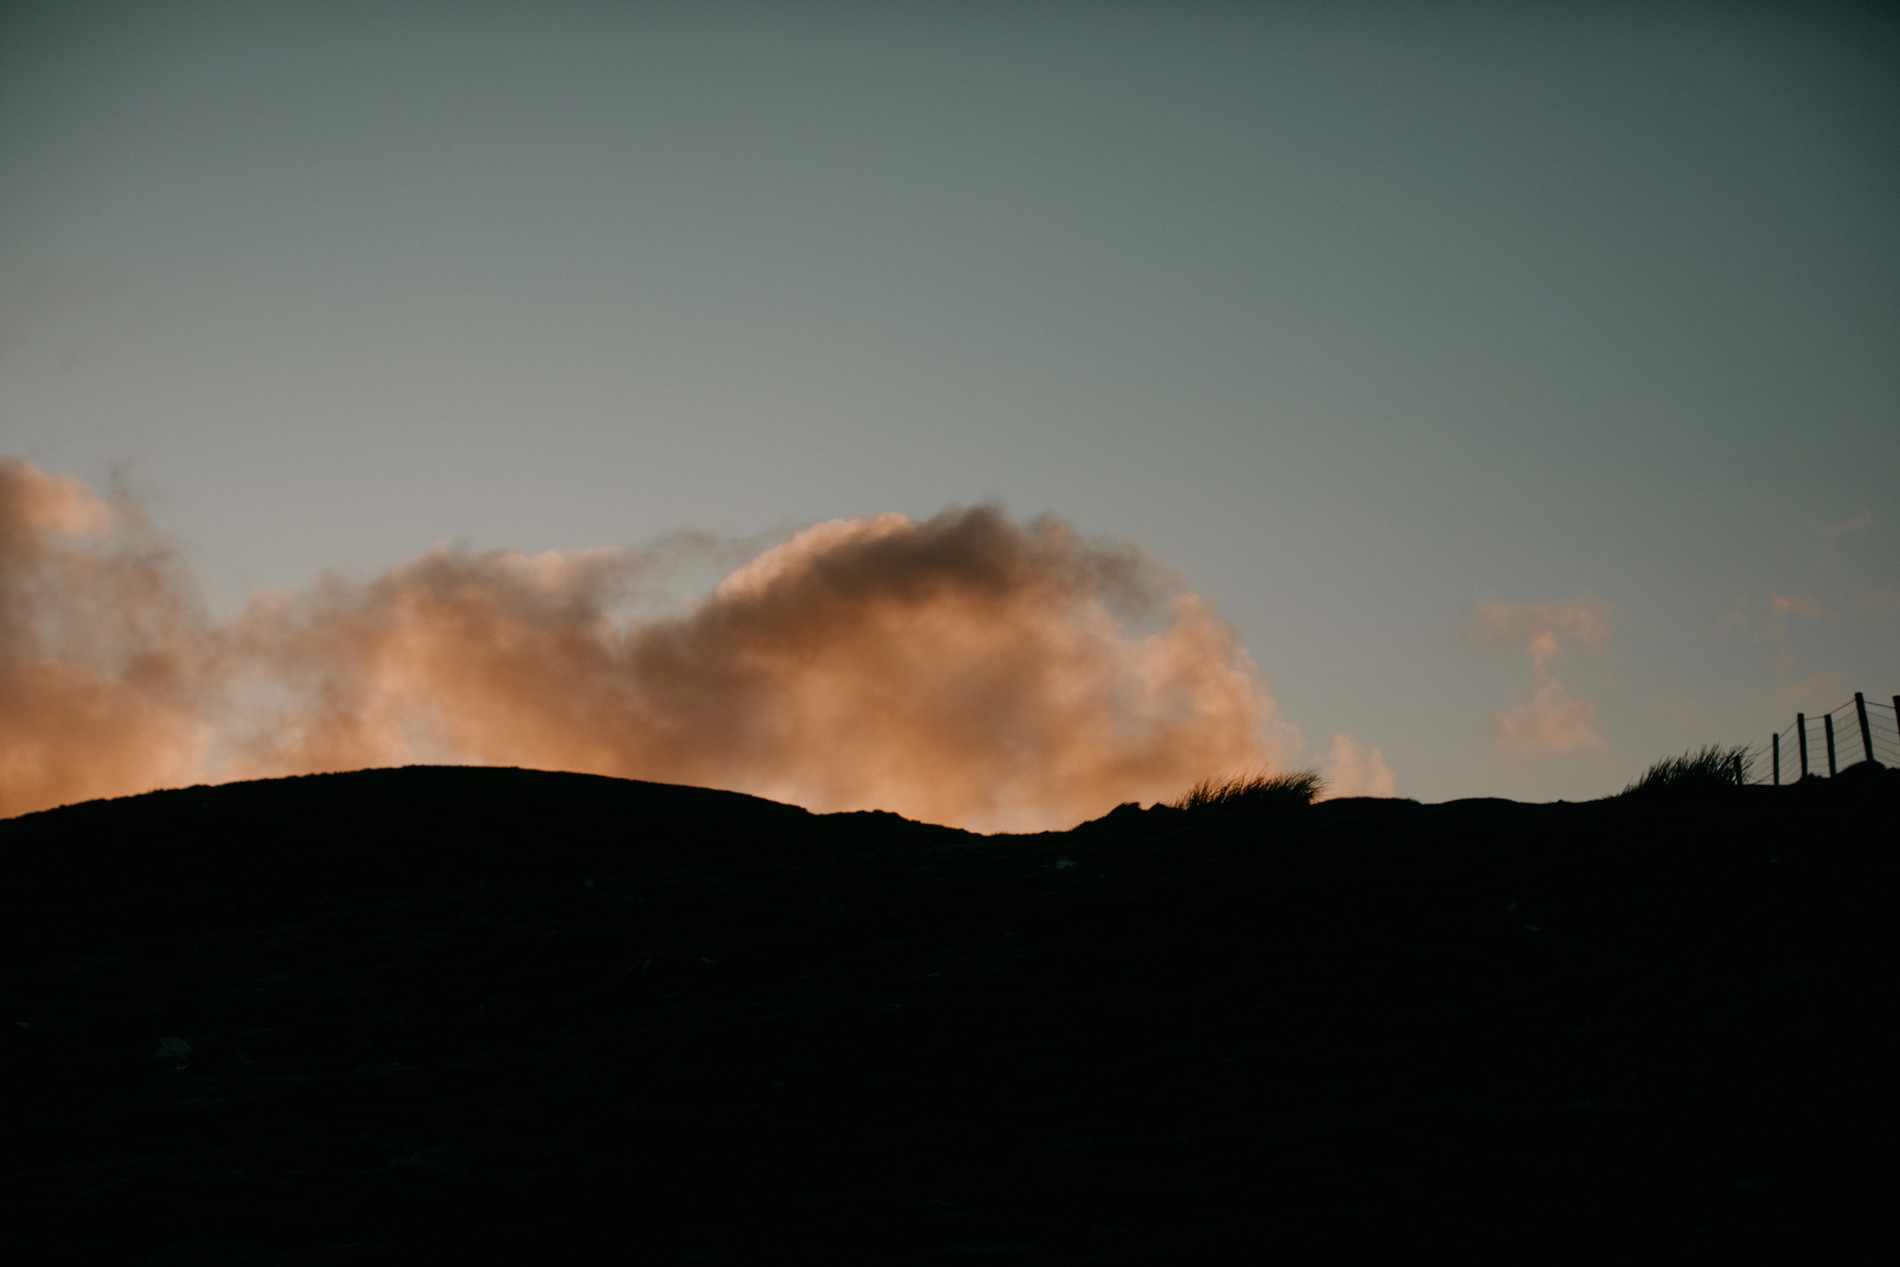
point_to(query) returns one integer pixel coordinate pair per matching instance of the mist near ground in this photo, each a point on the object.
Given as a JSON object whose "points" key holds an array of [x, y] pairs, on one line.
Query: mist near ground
{"points": [[969, 669]]}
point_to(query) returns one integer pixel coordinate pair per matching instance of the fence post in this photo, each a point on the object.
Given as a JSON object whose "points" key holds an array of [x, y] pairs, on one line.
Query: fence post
{"points": [[1775, 745], [1866, 732], [1801, 735], [1738, 769], [1827, 724]]}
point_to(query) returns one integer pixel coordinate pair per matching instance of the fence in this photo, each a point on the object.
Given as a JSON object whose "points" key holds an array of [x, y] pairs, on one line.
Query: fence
{"points": [[1859, 731]]}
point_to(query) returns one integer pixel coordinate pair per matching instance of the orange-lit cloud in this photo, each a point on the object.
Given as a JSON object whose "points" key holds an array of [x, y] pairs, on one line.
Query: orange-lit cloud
{"points": [[1784, 607], [99, 648], [1351, 770], [968, 669], [1850, 526], [1552, 720], [1822, 689], [1876, 599], [1773, 627]]}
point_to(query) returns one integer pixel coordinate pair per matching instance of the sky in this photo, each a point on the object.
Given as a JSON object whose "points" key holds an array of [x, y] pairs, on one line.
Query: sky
{"points": [[1472, 400]]}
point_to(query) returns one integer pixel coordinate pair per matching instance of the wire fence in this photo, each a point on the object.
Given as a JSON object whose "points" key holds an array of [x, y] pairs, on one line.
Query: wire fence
{"points": [[1849, 734]]}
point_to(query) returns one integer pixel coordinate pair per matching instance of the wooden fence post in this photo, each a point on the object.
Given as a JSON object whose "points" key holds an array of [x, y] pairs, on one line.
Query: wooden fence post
{"points": [[1801, 736], [1827, 724], [1775, 746], [1738, 769], [1866, 732]]}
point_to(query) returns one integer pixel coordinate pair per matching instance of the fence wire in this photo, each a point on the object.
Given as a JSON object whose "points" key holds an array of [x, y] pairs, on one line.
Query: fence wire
{"points": [[1879, 742]]}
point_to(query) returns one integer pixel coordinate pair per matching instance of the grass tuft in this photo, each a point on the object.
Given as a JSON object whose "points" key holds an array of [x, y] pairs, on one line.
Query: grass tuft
{"points": [[1702, 769], [1256, 791]]}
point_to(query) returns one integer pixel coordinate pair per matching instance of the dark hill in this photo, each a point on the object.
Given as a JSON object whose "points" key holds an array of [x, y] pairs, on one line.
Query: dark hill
{"points": [[366, 1016]]}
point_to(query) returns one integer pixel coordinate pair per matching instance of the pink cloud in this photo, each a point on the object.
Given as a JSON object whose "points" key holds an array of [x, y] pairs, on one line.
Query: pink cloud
{"points": [[1551, 720], [968, 668], [1846, 527], [1874, 600], [1351, 770], [1808, 607], [1823, 689]]}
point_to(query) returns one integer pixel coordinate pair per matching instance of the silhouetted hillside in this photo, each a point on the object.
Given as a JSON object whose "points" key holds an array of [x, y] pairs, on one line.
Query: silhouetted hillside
{"points": [[353, 1017]]}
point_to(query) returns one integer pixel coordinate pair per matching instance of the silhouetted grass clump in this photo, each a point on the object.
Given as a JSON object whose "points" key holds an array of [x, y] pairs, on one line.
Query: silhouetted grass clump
{"points": [[1704, 769], [1254, 792]]}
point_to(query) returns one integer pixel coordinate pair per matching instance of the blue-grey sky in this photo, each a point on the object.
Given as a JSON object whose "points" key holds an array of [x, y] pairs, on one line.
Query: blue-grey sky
{"points": [[1483, 365]]}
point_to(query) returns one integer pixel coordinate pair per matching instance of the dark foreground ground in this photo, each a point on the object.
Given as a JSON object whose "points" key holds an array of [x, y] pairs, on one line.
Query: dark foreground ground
{"points": [[488, 1011]]}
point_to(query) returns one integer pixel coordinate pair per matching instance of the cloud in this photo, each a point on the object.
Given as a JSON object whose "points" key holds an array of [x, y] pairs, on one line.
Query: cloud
{"points": [[1552, 722], [1822, 689], [967, 668], [1851, 526], [1552, 719], [1773, 628], [1352, 771], [99, 647], [1808, 607]]}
